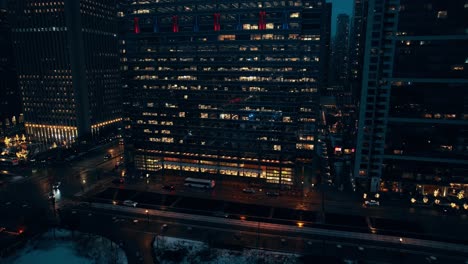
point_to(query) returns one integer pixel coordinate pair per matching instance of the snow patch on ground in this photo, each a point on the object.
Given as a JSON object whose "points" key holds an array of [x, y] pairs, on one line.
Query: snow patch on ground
{"points": [[57, 254], [170, 250], [59, 246]]}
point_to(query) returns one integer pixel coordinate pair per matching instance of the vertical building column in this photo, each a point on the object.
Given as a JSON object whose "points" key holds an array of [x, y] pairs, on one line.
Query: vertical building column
{"points": [[285, 20], [77, 61], [155, 24], [196, 28]]}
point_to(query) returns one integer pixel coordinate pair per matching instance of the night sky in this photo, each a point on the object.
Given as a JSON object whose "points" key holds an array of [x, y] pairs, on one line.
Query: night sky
{"points": [[339, 7]]}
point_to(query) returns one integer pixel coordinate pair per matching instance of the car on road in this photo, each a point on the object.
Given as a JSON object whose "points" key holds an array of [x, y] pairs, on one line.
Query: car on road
{"points": [[248, 190], [130, 203], [273, 194], [372, 203], [168, 187], [118, 181], [84, 205], [255, 185], [164, 227], [56, 185], [107, 156]]}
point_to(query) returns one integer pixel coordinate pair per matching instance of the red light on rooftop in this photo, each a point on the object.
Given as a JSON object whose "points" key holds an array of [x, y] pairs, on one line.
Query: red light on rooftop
{"points": [[175, 24], [216, 19], [136, 25]]}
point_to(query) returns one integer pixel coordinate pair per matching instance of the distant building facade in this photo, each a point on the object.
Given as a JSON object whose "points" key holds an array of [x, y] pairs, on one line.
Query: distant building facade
{"points": [[223, 88], [356, 46], [68, 67], [413, 126], [10, 104], [339, 69], [326, 37]]}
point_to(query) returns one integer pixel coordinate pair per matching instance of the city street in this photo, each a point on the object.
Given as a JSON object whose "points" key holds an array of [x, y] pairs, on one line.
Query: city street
{"points": [[339, 207], [25, 204], [137, 230]]}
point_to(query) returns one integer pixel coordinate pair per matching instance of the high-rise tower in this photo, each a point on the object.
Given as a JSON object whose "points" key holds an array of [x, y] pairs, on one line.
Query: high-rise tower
{"points": [[356, 46], [68, 67], [413, 126], [10, 104], [223, 87], [340, 58]]}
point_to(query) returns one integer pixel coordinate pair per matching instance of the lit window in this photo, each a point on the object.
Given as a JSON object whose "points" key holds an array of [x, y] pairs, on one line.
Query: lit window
{"points": [[442, 14], [446, 147], [226, 37], [294, 15], [458, 68]]}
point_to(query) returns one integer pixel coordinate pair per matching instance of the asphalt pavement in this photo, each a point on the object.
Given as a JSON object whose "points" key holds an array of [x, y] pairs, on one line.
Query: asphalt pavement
{"points": [[91, 174], [137, 231]]}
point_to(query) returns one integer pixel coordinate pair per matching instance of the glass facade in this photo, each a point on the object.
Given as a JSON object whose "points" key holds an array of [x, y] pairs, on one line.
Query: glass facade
{"points": [[222, 88], [67, 54], [413, 117], [10, 104]]}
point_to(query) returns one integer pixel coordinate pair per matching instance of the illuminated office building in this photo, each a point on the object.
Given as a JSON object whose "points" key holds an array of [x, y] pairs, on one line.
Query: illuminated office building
{"points": [[68, 67], [413, 125], [223, 87], [10, 104]]}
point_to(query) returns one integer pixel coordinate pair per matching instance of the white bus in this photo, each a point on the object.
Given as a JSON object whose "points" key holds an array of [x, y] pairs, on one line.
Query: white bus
{"points": [[199, 183]]}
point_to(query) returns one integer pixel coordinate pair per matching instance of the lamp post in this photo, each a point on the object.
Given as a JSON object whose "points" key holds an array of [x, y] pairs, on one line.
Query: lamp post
{"points": [[147, 216]]}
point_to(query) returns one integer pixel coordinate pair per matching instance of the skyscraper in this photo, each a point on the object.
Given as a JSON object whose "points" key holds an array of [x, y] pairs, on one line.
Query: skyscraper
{"points": [[340, 57], [356, 48], [413, 117], [10, 104], [223, 87], [68, 67], [326, 37]]}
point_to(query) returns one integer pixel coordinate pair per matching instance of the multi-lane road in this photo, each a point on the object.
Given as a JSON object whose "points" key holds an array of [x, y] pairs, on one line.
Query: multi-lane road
{"points": [[92, 172], [24, 202], [136, 229]]}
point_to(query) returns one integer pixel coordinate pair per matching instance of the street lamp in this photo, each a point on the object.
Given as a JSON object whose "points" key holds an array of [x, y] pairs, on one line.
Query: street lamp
{"points": [[147, 215]]}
